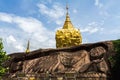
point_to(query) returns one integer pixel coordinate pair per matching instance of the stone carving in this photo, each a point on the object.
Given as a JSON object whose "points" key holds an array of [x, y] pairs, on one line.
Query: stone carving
{"points": [[97, 61], [86, 58], [97, 58], [73, 62]]}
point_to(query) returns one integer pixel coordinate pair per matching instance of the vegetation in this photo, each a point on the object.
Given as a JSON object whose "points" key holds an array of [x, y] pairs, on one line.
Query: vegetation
{"points": [[115, 60], [3, 57]]}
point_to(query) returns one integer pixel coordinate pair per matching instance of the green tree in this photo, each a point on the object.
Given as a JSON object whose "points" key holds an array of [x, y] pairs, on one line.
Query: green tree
{"points": [[115, 61], [3, 57]]}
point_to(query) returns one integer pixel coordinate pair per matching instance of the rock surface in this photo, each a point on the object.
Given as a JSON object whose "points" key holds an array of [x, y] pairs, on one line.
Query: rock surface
{"points": [[85, 58]]}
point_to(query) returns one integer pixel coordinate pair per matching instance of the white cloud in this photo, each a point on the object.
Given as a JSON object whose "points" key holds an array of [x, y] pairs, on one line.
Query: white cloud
{"points": [[92, 27], [104, 13], [13, 44], [54, 13], [74, 11], [11, 39], [98, 4], [27, 24], [102, 8], [26, 28], [5, 18], [112, 31], [59, 22]]}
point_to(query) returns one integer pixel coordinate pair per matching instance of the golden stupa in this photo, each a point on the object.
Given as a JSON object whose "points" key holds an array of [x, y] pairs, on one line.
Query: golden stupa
{"points": [[28, 47], [68, 36]]}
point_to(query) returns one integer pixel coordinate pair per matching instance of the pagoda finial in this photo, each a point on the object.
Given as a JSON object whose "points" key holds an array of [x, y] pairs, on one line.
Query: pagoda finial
{"points": [[67, 23], [67, 8], [28, 47]]}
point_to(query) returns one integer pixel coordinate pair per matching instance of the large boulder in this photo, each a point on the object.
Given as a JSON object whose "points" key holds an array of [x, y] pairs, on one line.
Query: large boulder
{"points": [[85, 58]]}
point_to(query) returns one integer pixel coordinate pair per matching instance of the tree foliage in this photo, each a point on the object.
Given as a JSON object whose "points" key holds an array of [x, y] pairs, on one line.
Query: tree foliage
{"points": [[3, 57], [116, 60]]}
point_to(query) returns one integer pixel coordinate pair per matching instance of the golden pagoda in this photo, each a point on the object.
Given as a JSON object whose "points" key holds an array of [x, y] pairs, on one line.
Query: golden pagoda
{"points": [[28, 47], [68, 36]]}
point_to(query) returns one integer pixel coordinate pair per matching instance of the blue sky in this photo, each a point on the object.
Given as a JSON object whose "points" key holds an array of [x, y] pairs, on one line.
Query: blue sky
{"points": [[38, 20]]}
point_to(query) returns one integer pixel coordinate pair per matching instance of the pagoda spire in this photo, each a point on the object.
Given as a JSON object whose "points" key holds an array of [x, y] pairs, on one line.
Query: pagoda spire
{"points": [[67, 24], [28, 47], [67, 8], [68, 36]]}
